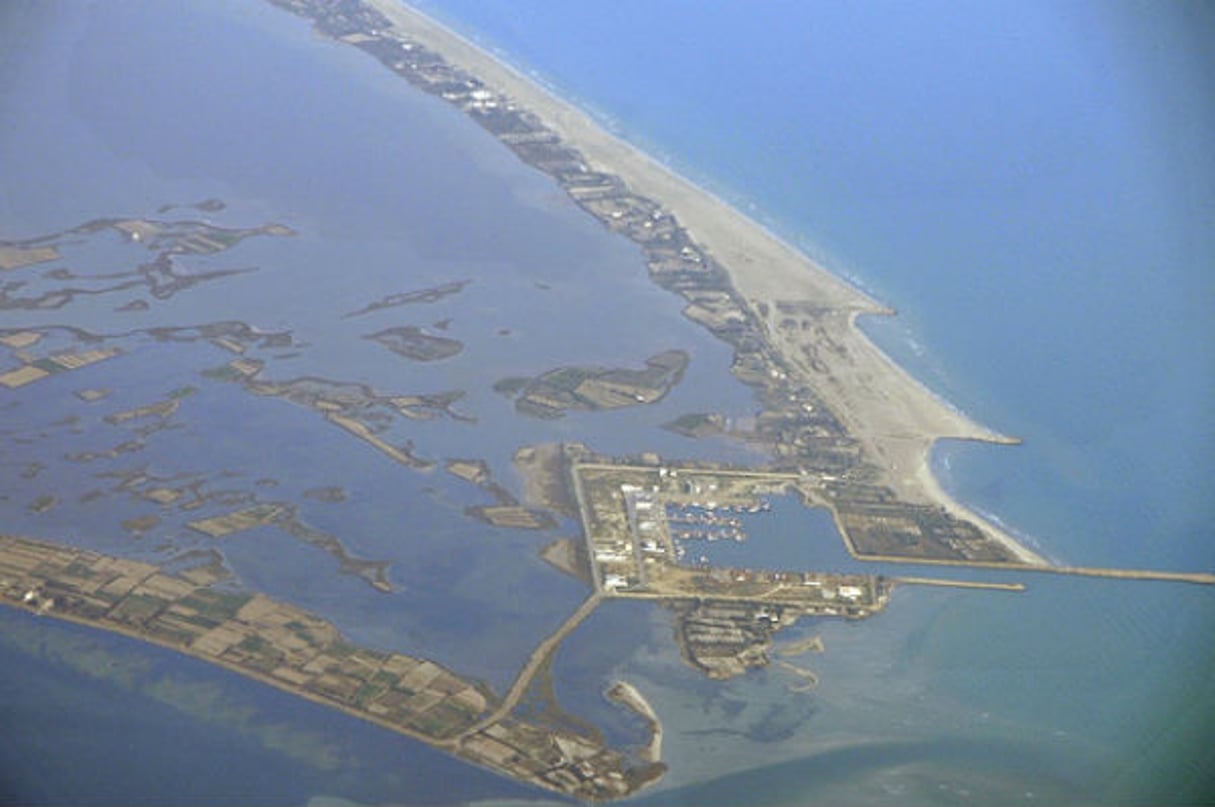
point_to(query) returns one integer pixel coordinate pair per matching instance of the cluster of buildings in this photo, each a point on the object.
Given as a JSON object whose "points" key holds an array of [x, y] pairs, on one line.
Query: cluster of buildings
{"points": [[633, 516], [560, 760], [801, 432], [878, 525], [295, 650]]}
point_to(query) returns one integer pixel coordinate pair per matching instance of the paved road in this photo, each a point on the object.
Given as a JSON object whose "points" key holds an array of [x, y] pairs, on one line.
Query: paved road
{"points": [[534, 662]]}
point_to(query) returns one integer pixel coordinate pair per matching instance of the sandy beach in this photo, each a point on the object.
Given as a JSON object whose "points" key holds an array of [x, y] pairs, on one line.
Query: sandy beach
{"points": [[625, 693], [896, 418]]}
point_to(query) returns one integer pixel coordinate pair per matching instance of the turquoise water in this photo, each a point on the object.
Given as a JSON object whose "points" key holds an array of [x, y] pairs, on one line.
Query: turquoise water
{"points": [[1030, 186]]}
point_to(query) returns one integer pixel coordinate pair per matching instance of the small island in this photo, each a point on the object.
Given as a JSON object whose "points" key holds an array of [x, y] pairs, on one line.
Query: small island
{"points": [[418, 296], [842, 428], [592, 389], [414, 343], [161, 277]]}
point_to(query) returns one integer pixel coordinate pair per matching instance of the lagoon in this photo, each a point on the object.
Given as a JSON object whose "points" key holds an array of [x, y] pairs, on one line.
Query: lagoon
{"points": [[949, 223]]}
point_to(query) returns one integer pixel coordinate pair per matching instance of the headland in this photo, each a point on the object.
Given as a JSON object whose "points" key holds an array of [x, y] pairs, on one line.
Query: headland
{"points": [[845, 428], [785, 313]]}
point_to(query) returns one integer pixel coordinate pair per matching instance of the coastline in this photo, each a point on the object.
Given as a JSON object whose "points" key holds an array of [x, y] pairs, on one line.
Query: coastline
{"points": [[892, 414], [629, 696], [297, 651]]}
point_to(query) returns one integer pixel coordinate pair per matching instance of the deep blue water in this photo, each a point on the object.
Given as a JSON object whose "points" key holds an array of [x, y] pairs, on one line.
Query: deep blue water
{"points": [[1029, 185]]}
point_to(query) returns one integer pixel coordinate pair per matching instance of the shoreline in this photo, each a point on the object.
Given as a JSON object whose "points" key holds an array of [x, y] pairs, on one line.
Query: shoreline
{"points": [[629, 696], [299, 652], [590, 136], [894, 415]]}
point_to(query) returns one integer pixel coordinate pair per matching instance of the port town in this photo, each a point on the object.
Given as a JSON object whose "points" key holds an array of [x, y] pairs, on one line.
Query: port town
{"points": [[639, 517], [840, 428]]}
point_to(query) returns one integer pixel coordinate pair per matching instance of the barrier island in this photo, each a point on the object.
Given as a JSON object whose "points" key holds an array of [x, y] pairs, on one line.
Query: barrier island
{"points": [[841, 427]]}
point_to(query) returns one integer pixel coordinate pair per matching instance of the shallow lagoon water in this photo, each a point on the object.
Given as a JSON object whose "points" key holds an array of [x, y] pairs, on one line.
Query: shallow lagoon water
{"points": [[471, 596], [138, 724], [1109, 679], [1040, 217]]}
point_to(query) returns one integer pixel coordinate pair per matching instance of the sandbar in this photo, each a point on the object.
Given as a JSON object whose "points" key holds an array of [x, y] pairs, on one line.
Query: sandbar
{"points": [[895, 417]]}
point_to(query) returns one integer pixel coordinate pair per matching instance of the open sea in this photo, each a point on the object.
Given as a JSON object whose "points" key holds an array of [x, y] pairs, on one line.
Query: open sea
{"points": [[1030, 184]]}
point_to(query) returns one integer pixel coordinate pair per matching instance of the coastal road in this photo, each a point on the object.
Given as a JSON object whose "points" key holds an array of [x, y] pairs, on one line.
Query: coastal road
{"points": [[538, 657]]}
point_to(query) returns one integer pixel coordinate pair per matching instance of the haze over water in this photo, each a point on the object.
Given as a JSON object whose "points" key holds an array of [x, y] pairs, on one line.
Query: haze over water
{"points": [[1031, 186]]}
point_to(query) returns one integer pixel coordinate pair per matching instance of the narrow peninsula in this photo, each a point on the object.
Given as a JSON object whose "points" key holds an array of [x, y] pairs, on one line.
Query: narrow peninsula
{"points": [[839, 426], [834, 404]]}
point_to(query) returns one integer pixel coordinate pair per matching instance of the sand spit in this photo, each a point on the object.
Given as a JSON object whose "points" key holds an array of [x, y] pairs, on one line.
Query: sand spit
{"points": [[625, 693], [895, 417]]}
